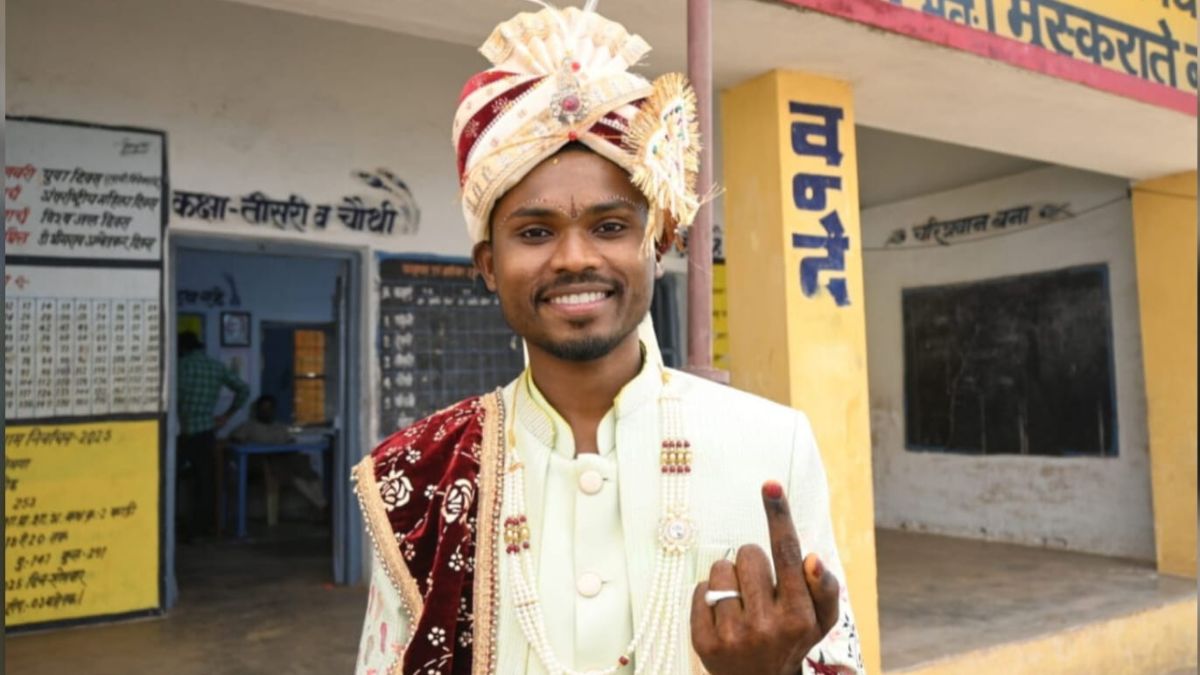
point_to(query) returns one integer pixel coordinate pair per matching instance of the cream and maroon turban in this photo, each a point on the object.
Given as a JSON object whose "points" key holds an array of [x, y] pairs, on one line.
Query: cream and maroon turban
{"points": [[560, 76]]}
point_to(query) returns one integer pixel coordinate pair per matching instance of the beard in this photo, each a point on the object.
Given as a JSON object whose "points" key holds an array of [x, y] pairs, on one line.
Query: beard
{"points": [[584, 349], [588, 347]]}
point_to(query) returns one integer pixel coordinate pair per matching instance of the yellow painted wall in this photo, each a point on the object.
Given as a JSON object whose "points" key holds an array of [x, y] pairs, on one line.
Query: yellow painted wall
{"points": [[720, 318], [1164, 228], [803, 349]]}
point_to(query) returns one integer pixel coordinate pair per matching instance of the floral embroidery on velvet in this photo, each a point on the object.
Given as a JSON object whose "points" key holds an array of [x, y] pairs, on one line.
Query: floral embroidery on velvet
{"points": [[395, 488], [458, 500], [427, 477]]}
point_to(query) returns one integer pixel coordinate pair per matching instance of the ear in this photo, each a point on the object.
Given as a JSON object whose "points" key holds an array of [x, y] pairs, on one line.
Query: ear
{"points": [[659, 270], [485, 262]]}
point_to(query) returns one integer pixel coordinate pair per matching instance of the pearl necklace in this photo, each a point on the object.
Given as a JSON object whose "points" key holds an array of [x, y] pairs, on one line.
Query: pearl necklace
{"points": [[655, 638]]}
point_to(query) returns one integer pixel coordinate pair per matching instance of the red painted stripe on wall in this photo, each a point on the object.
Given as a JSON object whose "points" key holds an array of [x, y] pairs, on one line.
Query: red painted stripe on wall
{"points": [[910, 23]]}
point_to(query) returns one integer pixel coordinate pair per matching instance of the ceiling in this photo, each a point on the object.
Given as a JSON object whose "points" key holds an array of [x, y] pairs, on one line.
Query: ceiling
{"points": [[893, 167], [901, 85]]}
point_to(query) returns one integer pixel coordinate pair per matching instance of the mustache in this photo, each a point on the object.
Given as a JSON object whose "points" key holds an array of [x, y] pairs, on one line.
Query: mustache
{"points": [[569, 279]]}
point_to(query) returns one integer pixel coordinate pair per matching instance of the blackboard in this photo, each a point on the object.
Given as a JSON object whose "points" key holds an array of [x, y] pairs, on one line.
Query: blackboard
{"points": [[442, 338], [1014, 365]]}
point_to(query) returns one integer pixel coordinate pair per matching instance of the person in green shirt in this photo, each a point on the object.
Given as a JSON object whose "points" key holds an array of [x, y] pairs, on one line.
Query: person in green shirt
{"points": [[201, 379]]}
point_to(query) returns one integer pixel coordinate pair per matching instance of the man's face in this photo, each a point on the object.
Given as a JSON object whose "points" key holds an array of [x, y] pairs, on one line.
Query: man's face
{"points": [[565, 257]]}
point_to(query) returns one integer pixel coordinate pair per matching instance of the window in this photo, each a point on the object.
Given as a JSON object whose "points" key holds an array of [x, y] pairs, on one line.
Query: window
{"points": [[300, 371], [309, 363]]}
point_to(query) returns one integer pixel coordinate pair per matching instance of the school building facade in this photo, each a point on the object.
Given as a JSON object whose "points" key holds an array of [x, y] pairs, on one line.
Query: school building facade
{"points": [[960, 234]]}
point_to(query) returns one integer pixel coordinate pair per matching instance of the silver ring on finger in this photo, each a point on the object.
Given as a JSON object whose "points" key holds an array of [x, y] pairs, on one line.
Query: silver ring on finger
{"points": [[711, 598]]}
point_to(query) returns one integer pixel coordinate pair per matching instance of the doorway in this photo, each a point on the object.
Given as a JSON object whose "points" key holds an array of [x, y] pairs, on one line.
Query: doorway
{"points": [[286, 320]]}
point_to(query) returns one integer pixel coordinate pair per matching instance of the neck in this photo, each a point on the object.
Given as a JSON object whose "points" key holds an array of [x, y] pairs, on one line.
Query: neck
{"points": [[583, 391]]}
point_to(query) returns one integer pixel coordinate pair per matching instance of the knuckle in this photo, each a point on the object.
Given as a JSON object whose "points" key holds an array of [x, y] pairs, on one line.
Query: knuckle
{"points": [[729, 636], [789, 552], [814, 636], [702, 641], [750, 552], [797, 624], [761, 630], [721, 569], [755, 643]]}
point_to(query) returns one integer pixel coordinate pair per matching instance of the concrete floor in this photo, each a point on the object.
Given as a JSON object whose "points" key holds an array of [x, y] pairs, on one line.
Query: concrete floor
{"points": [[267, 608], [940, 596], [244, 609]]}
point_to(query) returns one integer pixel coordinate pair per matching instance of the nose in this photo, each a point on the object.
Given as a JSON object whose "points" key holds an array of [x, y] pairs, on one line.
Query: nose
{"points": [[575, 251]]}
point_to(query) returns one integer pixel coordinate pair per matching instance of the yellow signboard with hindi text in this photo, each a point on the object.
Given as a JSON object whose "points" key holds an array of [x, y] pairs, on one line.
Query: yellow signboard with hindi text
{"points": [[1153, 40], [81, 528]]}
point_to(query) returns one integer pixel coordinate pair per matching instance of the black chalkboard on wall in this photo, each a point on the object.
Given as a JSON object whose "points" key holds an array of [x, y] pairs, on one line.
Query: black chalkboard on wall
{"points": [[1015, 365], [442, 338]]}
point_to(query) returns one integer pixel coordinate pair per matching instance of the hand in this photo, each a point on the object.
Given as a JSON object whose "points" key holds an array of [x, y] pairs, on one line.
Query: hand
{"points": [[769, 629]]}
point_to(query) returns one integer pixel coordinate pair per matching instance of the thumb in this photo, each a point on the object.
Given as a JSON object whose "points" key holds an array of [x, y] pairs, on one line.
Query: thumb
{"points": [[825, 590]]}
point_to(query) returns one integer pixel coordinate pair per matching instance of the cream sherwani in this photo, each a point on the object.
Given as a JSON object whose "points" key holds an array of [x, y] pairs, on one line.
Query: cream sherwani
{"points": [[594, 520]]}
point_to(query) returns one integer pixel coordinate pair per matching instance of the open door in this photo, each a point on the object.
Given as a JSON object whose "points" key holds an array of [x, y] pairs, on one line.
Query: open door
{"points": [[305, 368], [346, 539]]}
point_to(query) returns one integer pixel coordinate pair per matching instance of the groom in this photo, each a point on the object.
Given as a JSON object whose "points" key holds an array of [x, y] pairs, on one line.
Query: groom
{"points": [[602, 512]]}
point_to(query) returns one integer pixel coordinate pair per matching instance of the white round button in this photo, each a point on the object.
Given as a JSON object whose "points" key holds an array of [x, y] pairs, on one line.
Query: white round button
{"points": [[591, 481], [589, 584]]}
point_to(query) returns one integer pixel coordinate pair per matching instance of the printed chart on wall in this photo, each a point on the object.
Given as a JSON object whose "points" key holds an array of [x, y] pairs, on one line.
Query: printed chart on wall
{"points": [[83, 221], [442, 338]]}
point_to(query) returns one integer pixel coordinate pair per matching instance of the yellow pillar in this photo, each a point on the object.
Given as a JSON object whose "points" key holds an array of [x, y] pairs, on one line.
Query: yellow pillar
{"points": [[1164, 234], [797, 327]]}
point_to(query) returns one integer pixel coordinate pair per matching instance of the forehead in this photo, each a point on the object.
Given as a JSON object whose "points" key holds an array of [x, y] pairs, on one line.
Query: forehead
{"points": [[576, 176]]}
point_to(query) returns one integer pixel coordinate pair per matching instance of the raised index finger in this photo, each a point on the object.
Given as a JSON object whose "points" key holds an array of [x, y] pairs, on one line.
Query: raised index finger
{"points": [[785, 543]]}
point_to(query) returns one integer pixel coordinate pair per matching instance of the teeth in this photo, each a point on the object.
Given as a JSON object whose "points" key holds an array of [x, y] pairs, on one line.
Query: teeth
{"points": [[577, 298]]}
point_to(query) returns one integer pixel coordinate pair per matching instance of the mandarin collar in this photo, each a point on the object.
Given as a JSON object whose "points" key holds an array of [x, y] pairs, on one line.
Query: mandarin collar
{"points": [[543, 422]]}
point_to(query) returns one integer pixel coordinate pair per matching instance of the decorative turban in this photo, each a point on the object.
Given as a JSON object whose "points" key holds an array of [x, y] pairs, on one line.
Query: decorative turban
{"points": [[560, 76]]}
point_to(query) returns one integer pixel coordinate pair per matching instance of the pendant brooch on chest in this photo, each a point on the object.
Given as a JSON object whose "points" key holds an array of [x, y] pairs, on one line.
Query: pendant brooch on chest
{"points": [[676, 530], [656, 635]]}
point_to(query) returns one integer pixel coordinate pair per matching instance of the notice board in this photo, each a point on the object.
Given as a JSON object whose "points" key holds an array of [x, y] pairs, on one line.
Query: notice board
{"points": [[442, 338], [84, 218]]}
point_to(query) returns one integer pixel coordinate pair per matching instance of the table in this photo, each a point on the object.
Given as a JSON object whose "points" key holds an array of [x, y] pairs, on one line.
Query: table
{"points": [[243, 451]]}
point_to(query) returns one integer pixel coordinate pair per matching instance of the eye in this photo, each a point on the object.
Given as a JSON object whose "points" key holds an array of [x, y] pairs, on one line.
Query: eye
{"points": [[611, 227], [534, 232]]}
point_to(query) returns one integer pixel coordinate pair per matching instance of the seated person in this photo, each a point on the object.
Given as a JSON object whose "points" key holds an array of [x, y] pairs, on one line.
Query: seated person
{"points": [[294, 468]]}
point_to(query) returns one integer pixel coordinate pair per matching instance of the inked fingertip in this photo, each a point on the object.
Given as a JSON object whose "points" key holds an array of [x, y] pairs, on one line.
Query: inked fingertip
{"points": [[772, 490]]}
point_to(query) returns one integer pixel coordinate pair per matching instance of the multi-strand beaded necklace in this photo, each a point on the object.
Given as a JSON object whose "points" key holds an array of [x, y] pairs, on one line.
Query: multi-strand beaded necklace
{"points": [[656, 637]]}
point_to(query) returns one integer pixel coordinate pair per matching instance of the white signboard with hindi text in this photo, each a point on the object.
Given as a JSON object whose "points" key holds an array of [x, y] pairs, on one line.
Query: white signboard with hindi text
{"points": [[76, 191]]}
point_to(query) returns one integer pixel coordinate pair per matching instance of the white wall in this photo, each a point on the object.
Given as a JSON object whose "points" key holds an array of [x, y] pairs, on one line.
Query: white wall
{"points": [[1086, 504], [254, 99]]}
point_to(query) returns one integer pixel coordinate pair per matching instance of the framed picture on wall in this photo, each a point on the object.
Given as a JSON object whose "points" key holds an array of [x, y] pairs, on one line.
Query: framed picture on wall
{"points": [[235, 329]]}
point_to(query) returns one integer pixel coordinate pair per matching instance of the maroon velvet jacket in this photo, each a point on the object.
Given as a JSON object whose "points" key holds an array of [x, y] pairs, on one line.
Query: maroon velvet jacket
{"points": [[419, 493]]}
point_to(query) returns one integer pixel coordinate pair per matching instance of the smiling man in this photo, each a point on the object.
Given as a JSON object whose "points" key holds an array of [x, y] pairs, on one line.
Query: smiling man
{"points": [[602, 513]]}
